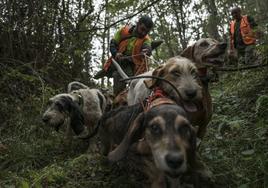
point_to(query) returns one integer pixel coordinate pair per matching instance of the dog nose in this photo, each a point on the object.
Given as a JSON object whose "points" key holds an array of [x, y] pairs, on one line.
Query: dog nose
{"points": [[223, 45], [45, 119], [191, 93], [174, 160]]}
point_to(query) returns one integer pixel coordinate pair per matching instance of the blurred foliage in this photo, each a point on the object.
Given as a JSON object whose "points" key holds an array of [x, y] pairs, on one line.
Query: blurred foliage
{"points": [[235, 148]]}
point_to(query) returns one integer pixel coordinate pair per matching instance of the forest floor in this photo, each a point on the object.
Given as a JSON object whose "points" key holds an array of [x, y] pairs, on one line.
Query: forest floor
{"points": [[235, 148]]}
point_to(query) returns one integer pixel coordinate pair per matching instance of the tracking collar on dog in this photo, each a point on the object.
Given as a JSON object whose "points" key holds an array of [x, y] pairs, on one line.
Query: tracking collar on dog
{"points": [[157, 97], [80, 98]]}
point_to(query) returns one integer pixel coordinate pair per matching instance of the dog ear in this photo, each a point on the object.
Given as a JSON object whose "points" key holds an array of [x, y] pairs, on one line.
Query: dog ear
{"points": [[102, 101], [109, 101], [77, 118], [133, 134], [148, 83], [76, 115], [192, 149], [188, 52], [157, 72]]}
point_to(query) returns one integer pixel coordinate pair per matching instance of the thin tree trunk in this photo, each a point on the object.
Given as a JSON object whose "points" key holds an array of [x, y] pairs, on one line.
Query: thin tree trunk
{"points": [[180, 21], [213, 20]]}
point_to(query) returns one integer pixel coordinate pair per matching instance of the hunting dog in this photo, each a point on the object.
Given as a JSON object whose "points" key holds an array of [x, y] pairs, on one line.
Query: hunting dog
{"points": [[207, 54], [204, 53], [112, 101], [75, 85], [79, 110], [162, 137], [183, 74]]}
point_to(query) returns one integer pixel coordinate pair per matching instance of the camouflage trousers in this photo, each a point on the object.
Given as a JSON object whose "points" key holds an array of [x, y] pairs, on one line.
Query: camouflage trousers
{"points": [[246, 55]]}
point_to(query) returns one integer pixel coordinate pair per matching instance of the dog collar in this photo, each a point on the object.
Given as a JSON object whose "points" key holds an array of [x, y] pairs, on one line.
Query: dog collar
{"points": [[157, 97], [80, 98], [159, 101]]}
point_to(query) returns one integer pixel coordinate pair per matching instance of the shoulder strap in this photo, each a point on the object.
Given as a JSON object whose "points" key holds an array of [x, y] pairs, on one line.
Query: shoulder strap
{"points": [[124, 33]]}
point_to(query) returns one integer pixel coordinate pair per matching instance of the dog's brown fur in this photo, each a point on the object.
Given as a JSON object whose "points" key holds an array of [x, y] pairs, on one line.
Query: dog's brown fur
{"points": [[194, 98], [114, 124], [167, 134], [120, 99], [206, 52]]}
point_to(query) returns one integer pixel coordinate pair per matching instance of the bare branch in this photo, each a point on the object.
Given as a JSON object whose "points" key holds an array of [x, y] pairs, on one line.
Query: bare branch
{"points": [[126, 18]]}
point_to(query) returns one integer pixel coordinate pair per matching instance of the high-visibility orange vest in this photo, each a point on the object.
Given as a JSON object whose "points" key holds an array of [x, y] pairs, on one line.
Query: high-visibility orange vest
{"points": [[139, 61], [247, 33]]}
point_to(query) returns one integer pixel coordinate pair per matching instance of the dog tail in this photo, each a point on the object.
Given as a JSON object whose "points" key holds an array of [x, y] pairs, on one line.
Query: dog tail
{"points": [[76, 86]]}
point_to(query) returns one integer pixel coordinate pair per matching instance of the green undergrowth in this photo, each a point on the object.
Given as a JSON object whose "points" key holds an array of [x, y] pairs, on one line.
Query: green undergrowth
{"points": [[235, 148], [236, 145]]}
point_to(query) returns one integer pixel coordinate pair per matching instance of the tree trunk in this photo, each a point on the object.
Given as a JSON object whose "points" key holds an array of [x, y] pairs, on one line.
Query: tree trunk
{"points": [[213, 20]]}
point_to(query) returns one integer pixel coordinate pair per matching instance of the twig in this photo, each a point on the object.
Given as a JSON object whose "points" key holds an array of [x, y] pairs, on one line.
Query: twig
{"points": [[125, 18]]}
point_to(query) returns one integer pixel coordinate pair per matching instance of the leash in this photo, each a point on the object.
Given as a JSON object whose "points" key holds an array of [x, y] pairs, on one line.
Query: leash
{"points": [[155, 77], [152, 59], [146, 56]]}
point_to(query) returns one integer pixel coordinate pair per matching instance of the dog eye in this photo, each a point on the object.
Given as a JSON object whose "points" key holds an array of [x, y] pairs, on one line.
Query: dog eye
{"points": [[155, 129], [176, 73], [59, 105], [204, 44], [194, 74]]}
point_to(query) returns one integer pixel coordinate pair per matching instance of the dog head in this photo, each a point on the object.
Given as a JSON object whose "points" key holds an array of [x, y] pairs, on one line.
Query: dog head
{"points": [[182, 73], [62, 108], [109, 97], [120, 99], [206, 52], [168, 133]]}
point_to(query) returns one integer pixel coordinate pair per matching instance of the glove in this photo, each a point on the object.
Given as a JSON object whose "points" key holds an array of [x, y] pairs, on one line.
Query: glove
{"points": [[118, 56]]}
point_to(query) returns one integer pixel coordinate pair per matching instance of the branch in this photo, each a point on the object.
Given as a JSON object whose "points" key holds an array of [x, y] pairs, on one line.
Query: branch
{"points": [[126, 18]]}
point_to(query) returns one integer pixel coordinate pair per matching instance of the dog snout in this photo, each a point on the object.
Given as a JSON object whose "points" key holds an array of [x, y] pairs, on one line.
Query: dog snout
{"points": [[191, 93], [222, 45], [174, 160]]}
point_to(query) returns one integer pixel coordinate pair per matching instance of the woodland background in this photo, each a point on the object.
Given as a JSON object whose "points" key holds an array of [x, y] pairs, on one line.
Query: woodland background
{"points": [[45, 44]]}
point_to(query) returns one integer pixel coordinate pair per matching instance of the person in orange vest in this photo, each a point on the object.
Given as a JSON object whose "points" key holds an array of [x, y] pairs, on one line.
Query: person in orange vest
{"points": [[128, 47], [242, 36]]}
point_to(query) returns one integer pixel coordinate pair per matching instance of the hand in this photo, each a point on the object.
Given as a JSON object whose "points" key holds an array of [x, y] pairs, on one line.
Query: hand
{"points": [[145, 52], [118, 56]]}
